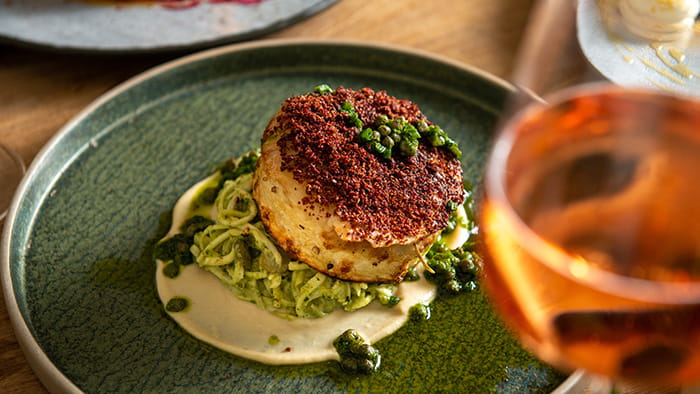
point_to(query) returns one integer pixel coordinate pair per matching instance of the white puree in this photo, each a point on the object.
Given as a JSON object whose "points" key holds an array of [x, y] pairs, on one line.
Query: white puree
{"points": [[217, 317]]}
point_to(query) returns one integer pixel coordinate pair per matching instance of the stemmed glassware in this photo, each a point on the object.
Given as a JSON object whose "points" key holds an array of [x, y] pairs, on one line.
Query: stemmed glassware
{"points": [[591, 208], [11, 172]]}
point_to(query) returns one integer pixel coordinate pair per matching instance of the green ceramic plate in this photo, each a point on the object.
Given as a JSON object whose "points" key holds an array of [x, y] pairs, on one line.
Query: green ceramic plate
{"points": [[96, 190]]}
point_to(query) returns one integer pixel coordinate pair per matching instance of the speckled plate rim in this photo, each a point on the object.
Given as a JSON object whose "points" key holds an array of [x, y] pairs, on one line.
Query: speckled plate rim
{"points": [[197, 45], [48, 373]]}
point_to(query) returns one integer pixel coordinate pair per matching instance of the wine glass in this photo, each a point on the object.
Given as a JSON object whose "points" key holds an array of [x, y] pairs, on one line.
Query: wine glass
{"points": [[591, 207], [11, 172]]}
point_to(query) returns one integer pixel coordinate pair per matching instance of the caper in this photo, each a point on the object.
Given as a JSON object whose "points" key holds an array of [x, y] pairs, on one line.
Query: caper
{"points": [[421, 125], [384, 130], [381, 120], [349, 364], [411, 275], [360, 348], [452, 286], [387, 142], [184, 258], [397, 123], [396, 137], [365, 367], [419, 312], [411, 131], [376, 136], [407, 149], [177, 304], [171, 270]]}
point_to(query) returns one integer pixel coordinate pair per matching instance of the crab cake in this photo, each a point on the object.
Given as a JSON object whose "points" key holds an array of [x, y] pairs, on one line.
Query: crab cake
{"points": [[344, 210]]}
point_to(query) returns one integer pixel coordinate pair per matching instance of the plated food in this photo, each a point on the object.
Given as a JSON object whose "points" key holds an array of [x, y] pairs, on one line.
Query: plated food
{"points": [[350, 192], [97, 322]]}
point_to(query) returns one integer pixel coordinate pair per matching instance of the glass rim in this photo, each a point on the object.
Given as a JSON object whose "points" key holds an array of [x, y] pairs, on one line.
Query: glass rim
{"points": [[494, 183]]}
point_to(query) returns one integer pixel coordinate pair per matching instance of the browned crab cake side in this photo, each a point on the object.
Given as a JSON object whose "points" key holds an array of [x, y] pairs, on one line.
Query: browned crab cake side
{"points": [[344, 211]]}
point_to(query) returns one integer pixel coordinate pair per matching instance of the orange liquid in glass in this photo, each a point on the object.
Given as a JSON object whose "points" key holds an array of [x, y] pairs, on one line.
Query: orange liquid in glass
{"points": [[609, 180]]}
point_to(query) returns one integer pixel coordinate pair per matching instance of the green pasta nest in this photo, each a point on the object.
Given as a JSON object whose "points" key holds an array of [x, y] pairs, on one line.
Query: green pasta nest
{"points": [[244, 257]]}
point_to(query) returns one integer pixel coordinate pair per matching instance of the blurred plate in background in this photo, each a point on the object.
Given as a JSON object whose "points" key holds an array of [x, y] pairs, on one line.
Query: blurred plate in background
{"points": [[103, 27]]}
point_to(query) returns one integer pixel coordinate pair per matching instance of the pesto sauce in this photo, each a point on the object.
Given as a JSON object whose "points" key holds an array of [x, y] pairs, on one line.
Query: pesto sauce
{"points": [[462, 348]]}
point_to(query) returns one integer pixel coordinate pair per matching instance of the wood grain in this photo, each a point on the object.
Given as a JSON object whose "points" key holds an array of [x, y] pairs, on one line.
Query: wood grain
{"points": [[41, 91]]}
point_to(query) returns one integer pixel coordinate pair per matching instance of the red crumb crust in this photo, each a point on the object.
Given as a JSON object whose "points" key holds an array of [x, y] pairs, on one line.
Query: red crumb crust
{"points": [[386, 201]]}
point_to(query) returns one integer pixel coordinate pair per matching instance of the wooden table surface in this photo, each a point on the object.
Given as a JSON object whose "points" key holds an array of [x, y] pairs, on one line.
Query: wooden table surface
{"points": [[40, 91]]}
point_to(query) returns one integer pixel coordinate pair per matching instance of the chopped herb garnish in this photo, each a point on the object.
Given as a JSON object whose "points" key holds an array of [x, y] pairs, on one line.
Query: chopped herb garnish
{"points": [[353, 117], [323, 89]]}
